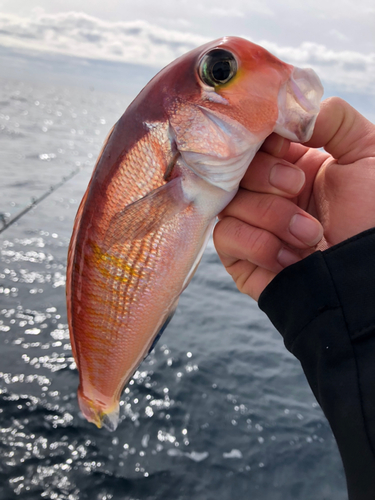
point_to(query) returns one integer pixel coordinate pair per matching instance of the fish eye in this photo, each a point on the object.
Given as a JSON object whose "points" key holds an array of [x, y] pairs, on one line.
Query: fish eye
{"points": [[217, 67]]}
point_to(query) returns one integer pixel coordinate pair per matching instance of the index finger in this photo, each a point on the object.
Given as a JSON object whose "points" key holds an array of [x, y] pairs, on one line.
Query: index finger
{"points": [[343, 132]]}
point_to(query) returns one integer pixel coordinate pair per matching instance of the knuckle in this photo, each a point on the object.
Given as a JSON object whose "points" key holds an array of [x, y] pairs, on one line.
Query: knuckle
{"points": [[268, 207], [241, 272], [335, 101], [228, 234], [242, 282], [223, 230], [240, 230], [258, 242]]}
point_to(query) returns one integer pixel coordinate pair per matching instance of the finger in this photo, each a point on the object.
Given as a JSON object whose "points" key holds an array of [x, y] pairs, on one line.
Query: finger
{"points": [[291, 152], [259, 280], [236, 240], [232, 237], [349, 192], [299, 156], [340, 129], [268, 174], [310, 162], [276, 215], [276, 145], [343, 132], [249, 278]]}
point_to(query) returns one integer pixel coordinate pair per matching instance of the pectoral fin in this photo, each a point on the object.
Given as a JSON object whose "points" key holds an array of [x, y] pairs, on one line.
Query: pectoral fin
{"points": [[147, 214]]}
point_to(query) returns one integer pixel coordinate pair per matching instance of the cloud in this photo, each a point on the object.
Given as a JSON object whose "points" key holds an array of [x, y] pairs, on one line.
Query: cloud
{"points": [[80, 35], [140, 42], [346, 70], [237, 9], [338, 35], [219, 12]]}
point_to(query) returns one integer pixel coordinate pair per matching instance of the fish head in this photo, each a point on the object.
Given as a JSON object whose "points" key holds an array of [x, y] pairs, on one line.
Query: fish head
{"points": [[258, 87], [224, 98]]}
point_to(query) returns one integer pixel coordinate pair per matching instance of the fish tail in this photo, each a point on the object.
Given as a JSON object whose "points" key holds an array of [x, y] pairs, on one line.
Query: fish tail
{"points": [[97, 415]]}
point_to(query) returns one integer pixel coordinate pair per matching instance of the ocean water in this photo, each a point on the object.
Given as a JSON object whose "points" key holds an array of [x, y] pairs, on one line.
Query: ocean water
{"points": [[219, 410]]}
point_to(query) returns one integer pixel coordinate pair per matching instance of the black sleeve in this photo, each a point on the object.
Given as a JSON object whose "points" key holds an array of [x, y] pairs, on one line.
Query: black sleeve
{"points": [[324, 307]]}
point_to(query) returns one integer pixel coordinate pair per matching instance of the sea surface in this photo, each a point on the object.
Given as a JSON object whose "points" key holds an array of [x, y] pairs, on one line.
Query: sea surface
{"points": [[219, 410]]}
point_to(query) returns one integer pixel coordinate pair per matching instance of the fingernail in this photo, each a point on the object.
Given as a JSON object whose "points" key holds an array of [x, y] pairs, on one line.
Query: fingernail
{"points": [[286, 178], [307, 230], [287, 258]]}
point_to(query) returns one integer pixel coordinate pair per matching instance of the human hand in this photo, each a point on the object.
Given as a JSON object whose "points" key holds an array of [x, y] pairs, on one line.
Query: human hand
{"points": [[295, 199]]}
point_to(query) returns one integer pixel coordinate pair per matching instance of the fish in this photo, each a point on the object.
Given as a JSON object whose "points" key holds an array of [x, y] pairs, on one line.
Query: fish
{"points": [[170, 164]]}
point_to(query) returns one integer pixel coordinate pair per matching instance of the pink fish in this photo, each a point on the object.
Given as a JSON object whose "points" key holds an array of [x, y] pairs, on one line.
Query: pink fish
{"points": [[172, 162]]}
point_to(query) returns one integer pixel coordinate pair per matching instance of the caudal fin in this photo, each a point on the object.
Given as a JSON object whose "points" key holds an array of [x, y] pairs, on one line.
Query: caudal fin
{"points": [[101, 417]]}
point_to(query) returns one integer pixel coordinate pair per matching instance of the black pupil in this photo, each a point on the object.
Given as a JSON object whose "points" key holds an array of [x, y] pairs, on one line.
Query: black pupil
{"points": [[221, 71]]}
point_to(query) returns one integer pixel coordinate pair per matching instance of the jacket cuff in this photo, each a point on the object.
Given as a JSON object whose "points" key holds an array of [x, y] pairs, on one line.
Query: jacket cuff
{"points": [[340, 277]]}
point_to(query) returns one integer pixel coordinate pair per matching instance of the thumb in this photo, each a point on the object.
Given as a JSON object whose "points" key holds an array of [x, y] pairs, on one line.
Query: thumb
{"points": [[343, 132]]}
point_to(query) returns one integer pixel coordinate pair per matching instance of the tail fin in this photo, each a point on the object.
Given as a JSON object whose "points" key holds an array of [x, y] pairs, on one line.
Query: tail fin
{"points": [[101, 417]]}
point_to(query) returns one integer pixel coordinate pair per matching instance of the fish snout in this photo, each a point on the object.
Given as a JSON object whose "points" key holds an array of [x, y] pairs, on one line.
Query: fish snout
{"points": [[299, 104]]}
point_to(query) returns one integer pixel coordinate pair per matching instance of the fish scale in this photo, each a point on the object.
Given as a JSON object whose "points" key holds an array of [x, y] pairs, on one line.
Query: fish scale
{"points": [[119, 278], [172, 162]]}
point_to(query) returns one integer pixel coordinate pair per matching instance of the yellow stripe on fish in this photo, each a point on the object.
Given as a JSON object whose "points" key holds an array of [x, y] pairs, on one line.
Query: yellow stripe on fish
{"points": [[127, 271]]}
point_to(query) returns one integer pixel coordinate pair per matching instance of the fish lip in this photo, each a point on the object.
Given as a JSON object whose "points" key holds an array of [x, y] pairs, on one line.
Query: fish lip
{"points": [[299, 105]]}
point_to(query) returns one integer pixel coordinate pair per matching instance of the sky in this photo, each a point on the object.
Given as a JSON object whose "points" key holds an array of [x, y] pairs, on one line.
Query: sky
{"points": [[335, 37]]}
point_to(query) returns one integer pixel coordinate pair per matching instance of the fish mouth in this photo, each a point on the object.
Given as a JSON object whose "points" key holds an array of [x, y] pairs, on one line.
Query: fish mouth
{"points": [[299, 104]]}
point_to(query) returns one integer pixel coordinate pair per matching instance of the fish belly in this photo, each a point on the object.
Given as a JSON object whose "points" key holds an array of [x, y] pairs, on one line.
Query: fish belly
{"points": [[120, 298]]}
